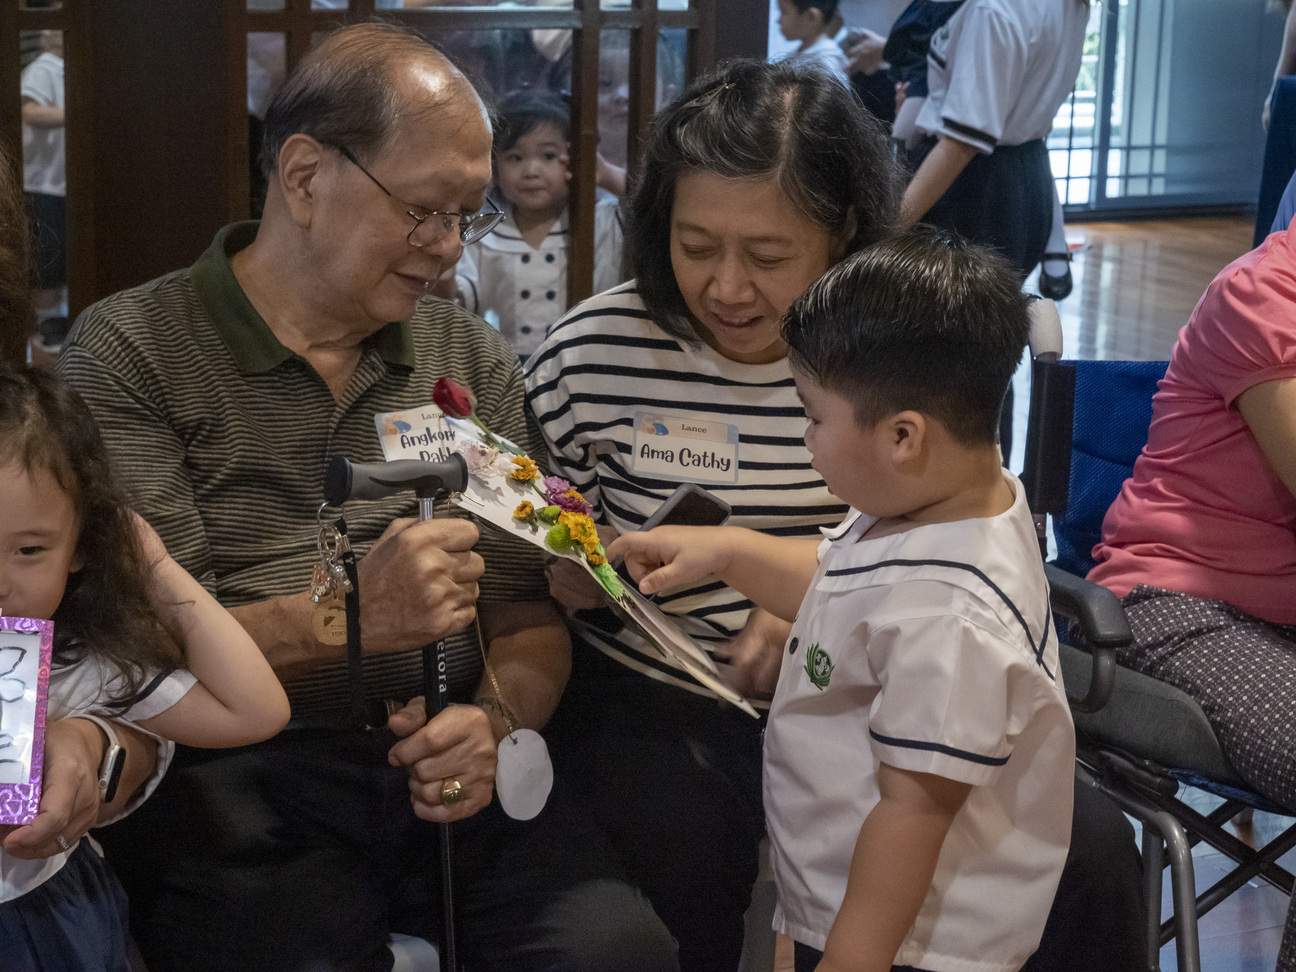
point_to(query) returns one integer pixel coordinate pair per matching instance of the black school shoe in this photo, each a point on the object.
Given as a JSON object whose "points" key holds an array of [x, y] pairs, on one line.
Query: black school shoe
{"points": [[1055, 288]]}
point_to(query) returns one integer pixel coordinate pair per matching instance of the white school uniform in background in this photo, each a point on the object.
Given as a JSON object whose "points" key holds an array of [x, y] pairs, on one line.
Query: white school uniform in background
{"points": [[998, 70], [932, 651], [81, 689], [526, 286], [825, 52], [44, 165]]}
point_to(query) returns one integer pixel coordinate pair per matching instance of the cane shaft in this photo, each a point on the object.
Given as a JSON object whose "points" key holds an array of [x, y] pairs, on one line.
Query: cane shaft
{"points": [[436, 694]]}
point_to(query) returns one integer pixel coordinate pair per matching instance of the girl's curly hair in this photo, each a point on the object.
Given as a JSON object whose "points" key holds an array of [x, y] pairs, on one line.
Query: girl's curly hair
{"points": [[105, 613]]}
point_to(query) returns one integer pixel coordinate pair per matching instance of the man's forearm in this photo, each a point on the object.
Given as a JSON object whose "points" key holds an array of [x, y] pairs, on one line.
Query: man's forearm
{"points": [[281, 627], [530, 655]]}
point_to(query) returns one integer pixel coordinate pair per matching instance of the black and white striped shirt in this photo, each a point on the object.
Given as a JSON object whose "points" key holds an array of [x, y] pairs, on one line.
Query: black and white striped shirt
{"points": [[221, 434], [614, 395]]}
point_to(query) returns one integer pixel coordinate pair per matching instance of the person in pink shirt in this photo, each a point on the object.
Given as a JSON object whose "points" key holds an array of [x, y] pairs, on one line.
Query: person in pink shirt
{"points": [[1201, 541]]}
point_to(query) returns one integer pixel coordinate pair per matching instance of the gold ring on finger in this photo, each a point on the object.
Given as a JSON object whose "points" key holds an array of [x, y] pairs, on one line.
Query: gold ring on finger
{"points": [[452, 792]]}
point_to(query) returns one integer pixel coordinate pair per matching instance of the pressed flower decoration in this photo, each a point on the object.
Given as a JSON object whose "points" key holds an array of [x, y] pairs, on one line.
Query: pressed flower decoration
{"points": [[562, 513]]}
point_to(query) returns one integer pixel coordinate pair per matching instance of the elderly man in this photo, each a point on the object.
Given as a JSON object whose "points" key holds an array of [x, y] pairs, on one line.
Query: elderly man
{"points": [[222, 389]]}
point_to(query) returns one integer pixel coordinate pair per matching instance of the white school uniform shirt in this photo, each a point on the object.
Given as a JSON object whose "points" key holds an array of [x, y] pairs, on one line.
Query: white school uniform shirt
{"points": [[826, 52], [526, 286], [998, 71], [932, 651], [44, 164], [83, 688]]}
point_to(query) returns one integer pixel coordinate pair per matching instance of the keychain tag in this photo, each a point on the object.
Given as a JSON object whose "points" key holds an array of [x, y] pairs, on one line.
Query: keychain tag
{"points": [[524, 775], [328, 621]]}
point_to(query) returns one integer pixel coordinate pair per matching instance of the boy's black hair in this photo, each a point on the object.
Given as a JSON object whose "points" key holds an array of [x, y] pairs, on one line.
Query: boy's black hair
{"points": [[826, 7], [793, 123], [924, 321], [525, 110]]}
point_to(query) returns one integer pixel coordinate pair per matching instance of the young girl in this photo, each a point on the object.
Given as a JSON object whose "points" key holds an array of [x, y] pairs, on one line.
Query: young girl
{"points": [[518, 274], [126, 618]]}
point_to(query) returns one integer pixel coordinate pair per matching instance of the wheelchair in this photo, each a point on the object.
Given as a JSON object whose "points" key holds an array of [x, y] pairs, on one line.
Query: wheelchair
{"points": [[1138, 740]]}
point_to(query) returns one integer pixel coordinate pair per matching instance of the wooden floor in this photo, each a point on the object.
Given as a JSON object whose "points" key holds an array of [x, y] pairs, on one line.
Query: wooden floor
{"points": [[1136, 283], [1135, 286]]}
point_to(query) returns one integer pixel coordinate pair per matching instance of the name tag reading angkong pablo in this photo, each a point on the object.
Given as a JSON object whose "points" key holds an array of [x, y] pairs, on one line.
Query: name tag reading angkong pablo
{"points": [[415, 433], [685, 448]]}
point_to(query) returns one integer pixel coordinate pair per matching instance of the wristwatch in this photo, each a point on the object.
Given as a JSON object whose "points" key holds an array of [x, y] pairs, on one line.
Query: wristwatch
{"points": [[113, 761]]}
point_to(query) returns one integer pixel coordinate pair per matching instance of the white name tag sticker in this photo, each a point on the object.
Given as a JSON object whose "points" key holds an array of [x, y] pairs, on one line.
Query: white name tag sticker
{"points": [[415, 433], [685, 448]]}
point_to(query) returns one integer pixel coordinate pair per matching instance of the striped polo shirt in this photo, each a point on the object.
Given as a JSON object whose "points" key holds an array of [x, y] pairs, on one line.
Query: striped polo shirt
{"points": [[221, 434], [629, 412]]}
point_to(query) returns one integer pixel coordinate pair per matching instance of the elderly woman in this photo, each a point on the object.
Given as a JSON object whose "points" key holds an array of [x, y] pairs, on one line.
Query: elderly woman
{"points": [[755, 181]]}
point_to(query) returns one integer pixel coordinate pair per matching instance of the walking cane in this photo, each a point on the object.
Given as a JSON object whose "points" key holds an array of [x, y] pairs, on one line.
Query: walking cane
{"points": [[344, 480]]}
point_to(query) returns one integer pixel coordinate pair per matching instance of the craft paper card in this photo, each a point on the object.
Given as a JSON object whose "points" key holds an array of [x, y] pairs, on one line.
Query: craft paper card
{"points": [[25, 648], [493, 496]]}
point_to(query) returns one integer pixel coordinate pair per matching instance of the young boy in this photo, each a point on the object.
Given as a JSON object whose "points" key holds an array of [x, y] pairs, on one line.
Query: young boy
{"points": [[813, 23], [920, 752], [518, 273]]}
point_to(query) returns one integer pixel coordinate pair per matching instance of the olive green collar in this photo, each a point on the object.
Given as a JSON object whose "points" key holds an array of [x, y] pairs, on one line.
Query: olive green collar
{"points": [[251, 342]]}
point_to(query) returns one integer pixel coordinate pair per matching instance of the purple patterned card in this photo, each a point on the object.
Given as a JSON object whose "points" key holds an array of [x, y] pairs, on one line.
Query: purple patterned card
{"points": [[25, 648]]}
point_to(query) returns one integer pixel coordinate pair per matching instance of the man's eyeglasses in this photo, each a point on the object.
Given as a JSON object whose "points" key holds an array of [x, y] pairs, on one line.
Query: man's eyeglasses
{"points": [[431, 228]]}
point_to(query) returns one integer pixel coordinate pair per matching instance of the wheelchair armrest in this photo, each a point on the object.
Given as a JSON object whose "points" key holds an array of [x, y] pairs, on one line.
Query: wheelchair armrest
{"points": [[1097, 612]]}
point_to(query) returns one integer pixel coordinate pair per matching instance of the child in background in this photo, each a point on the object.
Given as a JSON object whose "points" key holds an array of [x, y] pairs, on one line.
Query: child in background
{"points": [[518, 274], [126, 618], [813, 23], [919, 722]]}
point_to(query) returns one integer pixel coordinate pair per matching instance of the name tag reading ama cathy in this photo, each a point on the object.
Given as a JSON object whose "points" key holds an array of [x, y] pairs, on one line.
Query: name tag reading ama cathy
{"points": [[683, 448]]}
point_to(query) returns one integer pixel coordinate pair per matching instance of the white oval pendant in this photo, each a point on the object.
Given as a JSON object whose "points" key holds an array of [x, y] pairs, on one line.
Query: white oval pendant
{"points": [[524, 775]]}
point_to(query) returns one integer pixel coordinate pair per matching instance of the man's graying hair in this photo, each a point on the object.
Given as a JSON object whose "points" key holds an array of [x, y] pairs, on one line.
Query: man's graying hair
{"points": [[343, 93], [792, 123]]}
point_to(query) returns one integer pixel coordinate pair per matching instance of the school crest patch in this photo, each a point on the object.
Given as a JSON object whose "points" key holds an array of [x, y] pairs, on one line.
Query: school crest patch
{"points": [[819, 666]]}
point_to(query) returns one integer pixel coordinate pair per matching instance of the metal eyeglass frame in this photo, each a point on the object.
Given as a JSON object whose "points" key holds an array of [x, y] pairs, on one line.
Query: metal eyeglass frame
{"points": [[471, 228]]}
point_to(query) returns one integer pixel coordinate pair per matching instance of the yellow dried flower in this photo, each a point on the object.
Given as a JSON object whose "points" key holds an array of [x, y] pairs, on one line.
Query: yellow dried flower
{"points": [[596, 559], [581, 526], [526, 469], [524, 511]]}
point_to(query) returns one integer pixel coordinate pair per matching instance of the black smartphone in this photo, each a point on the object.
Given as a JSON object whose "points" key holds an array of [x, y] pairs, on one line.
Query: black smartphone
{"points": [[689, 505]]}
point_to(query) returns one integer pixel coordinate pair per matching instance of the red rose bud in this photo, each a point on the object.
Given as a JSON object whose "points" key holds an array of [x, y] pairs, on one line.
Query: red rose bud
{"points": [[453, 398]]}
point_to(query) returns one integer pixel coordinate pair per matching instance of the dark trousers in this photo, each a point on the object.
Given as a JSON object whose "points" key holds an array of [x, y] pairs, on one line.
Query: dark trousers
{"points": [[1279, 156], [303, 853], [674, 781]]}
